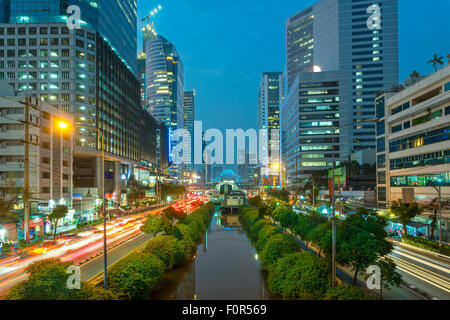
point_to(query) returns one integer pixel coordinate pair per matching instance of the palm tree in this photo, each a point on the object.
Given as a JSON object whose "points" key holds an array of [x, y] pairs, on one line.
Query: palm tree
{"points": [[414, 76], [435, 61]]}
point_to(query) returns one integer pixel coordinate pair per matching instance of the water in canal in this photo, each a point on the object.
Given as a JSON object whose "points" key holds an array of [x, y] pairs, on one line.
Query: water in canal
{"points": [[226, 267]]}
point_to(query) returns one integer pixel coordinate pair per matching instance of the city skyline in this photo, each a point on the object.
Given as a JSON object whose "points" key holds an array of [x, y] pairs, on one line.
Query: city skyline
{"points": [[213, 67]]}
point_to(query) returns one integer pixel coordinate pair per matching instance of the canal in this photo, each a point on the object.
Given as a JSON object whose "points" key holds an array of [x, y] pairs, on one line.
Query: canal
{"points": [[226, 267]]}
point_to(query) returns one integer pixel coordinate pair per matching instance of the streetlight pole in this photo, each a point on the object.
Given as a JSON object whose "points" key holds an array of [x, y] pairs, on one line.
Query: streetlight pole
{"points": [[438, 189], [63, 125]]}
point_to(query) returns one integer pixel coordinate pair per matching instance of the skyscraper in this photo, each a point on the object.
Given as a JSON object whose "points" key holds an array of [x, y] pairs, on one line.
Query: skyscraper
{"points": [[87, 72], [165, 83], [104, 16], [271, 94], [340, 36], [189, 117], [334, 35]]}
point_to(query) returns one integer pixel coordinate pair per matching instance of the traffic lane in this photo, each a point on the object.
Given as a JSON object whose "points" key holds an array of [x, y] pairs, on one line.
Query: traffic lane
{"points": [[94, 266], [438, 258]]}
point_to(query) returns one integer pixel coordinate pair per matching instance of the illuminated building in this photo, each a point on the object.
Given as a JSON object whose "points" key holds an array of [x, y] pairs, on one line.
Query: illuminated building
{"points": [[413, 134]]}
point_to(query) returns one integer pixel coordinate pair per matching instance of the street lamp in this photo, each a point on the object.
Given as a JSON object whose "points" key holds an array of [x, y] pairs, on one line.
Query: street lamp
{"points": [[333, 213], [438, 189], [63, 126]]}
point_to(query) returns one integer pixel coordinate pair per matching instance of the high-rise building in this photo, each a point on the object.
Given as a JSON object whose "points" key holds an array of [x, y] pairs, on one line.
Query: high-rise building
{"points": [[103, 16], [413, 149], [165, 83], [50, 156], [141, 75], [311, 107], [87, 72], [189, 117], [271, 95], [333, 35]]}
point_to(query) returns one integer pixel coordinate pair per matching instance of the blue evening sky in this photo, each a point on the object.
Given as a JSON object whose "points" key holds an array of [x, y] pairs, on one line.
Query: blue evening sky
{"points": [[226, 45]]}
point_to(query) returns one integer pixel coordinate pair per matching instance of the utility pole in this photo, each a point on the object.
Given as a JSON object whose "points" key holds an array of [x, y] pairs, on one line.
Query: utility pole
{"points": [[333, 220], [26, 191], [26, 195], [438, 189], [313, 195]]}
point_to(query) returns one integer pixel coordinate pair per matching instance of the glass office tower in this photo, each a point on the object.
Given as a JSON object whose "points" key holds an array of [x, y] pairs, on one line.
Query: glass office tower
{"points": [[333, 36], [115, 20]]}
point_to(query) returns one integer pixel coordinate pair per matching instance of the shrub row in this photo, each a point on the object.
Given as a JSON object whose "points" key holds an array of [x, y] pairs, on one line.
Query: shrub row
{"points": [[426, 244], [292, 274], [48, 280], [136, 276]]}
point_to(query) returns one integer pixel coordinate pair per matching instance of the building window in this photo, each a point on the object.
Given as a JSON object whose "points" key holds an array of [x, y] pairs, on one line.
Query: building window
{"points": [[381, 161], [381, 144], [381, 177], [381, 193]]}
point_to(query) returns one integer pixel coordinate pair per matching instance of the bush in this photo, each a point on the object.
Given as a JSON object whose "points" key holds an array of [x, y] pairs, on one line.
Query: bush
{"points": [[167, 249], [48, 281], [264, 234], [256, 228], [345, 292], [426, 244], [136, 276], [299, 276], [276, 247]]}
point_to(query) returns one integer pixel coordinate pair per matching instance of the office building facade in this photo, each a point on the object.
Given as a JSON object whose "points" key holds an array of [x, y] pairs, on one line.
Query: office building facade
{"points": [[50, 156], [413, 150], [103, 16], [309, 112], [189, 118], [333, 35], [165, 83]]}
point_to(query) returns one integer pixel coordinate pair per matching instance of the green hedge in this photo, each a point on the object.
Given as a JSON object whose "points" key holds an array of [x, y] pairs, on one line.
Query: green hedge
{"points": [[299, 276], [345, 292], [426, 244]]}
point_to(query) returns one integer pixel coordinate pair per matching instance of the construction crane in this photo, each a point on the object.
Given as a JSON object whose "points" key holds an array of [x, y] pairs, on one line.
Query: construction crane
{"points": [[151, 14]]}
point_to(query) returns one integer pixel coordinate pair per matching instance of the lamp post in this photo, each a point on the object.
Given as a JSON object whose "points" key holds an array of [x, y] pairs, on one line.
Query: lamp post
{"points": [[63, 126], [333, 213], [438, 189]]}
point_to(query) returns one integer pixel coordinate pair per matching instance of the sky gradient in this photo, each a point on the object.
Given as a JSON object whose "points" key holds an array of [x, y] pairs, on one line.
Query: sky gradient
{"points": [[226, 45]]}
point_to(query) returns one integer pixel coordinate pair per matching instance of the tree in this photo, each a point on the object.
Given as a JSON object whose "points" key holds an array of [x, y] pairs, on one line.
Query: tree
{"points": [[58, 213], [136, 192], [285, 216], [307, 223], [345, 292], [282, 195], [448, 58], [414, 76], [405, 213], [256, 201], [389, 275], [9, 197], [361, 240], [47, 280], [135, 276], [436, 61], [277, 246], [167, 249], [157, 224], [299, 275]]}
